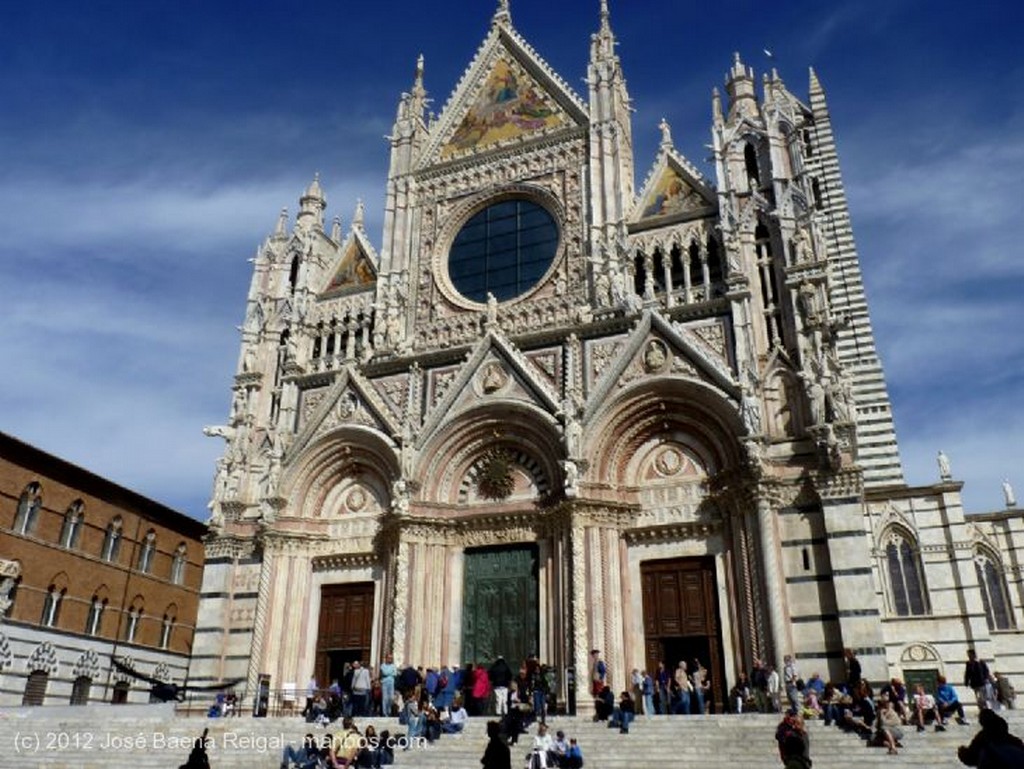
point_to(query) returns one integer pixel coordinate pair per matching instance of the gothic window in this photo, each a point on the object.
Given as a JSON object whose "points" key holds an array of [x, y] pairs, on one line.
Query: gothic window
{"points": [[819, 200], [906, 581], [145, 564], [131, 628], [659, 271], [677, 269], [714, 261], [94, 622], [750, 163], [166, 627], [51, 606], [72, 527], [293, 274], [28, 509], [178, 564], [994, 596], [120, 694], [639, 275], [696, 269], [112, 540], [503, 250], [12, 597]]}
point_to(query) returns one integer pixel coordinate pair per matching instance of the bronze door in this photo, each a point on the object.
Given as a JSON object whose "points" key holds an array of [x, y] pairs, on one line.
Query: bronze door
{"points": [[499, 615], [346, 628], [681, 617]]}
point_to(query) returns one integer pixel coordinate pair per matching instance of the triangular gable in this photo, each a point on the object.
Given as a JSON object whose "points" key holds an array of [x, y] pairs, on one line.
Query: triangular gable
{"points": [[508, 94], [673, 187], [350, 401], [495, 369], [657, 347], [356, 267]]}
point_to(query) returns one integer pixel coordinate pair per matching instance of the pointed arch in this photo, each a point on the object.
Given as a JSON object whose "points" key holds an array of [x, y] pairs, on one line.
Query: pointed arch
{"points": [[900, 554], [995, 596], [29, 504], [71, 529]]}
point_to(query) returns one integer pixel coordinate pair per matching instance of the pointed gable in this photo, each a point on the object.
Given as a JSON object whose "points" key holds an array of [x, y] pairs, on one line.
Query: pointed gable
{"points": [[674, 188], [510, 105], [356, 269], [507, 95]]}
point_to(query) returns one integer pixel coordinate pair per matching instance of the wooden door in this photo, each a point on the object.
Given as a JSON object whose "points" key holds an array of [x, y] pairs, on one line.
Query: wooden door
{"points": [[681, 617], [346, 628]]}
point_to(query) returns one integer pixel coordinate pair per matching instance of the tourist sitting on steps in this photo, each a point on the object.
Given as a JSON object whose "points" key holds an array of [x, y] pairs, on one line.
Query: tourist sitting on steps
{"points": [[574, 756], [624, 714], [948, 701], [305, 756], [887, 726], [925, 707], [604, 704]]}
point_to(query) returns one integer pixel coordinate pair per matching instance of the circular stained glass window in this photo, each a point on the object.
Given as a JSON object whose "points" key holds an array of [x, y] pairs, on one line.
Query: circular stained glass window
{"points": [[504, 250]]}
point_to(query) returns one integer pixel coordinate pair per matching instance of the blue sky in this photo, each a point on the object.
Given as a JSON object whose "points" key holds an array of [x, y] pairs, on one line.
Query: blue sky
{"points": [[148, 146]]}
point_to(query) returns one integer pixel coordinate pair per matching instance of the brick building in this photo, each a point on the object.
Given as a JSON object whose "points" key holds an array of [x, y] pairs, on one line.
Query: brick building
{"points": [[90, 570]]}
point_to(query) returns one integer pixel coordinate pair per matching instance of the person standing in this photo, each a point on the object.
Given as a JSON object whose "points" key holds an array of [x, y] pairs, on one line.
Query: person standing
{"points": [[598, 672], [853, 672], [360, 690], [978, 679], [496, 754], [647, 689], [388, 671], [500, 674], [663, 679]]}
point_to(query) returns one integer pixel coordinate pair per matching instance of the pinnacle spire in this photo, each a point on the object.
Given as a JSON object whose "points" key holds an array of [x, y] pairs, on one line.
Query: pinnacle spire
{"points": [[502, 15], [282, 222], [360, 214], [605, 16]]}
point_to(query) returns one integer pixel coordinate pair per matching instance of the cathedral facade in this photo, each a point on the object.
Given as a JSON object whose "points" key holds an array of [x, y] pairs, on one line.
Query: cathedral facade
{"points": [[550, 411]]}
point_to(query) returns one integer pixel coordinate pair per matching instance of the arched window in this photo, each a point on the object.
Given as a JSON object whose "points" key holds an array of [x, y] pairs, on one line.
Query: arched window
{"points": [[28, 508], [35, 687], [51, 606], [166, 627], [906, 580], [750, 162], [80, 690], [94, 622], [178, 564], [639, 275], [72, 528], [120, 694], [112, 540], [146, 553], [131, 628], [994, 597]]}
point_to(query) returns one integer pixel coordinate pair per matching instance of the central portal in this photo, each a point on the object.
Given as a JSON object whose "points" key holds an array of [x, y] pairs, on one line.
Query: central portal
{"points": [[500, 604]]}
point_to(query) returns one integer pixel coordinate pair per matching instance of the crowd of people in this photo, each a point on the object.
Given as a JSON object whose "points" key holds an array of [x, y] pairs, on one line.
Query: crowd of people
{"points": [[880, 718], [438, 701], [350, 749]]}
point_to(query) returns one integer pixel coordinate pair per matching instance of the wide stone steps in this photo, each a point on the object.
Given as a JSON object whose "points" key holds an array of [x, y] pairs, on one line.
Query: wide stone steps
{"points": [[152, 736]]}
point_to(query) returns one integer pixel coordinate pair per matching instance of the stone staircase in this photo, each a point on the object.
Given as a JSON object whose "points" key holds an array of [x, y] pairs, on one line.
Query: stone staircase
{"points": [[139, 737]]}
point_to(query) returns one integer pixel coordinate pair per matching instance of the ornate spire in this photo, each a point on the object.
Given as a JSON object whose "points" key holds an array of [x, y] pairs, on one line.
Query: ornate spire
{"points": [[336, 229], [282, 224], [311, 205], [605, 17], [502, 15], [359, 216]]}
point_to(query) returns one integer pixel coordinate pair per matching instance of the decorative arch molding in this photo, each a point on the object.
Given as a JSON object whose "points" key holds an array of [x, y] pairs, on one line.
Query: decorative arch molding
{"points": [[921, 653], [162, 672], [684, 412], [523, 467], [43, 659], [894, 522], [6, 656], [982, 540], [122, 677], [336, 464], [448, 462], [87, 665]]}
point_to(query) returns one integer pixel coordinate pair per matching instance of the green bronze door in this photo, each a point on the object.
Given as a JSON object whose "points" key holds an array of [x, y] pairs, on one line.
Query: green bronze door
{"points": [[499, 614]]}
